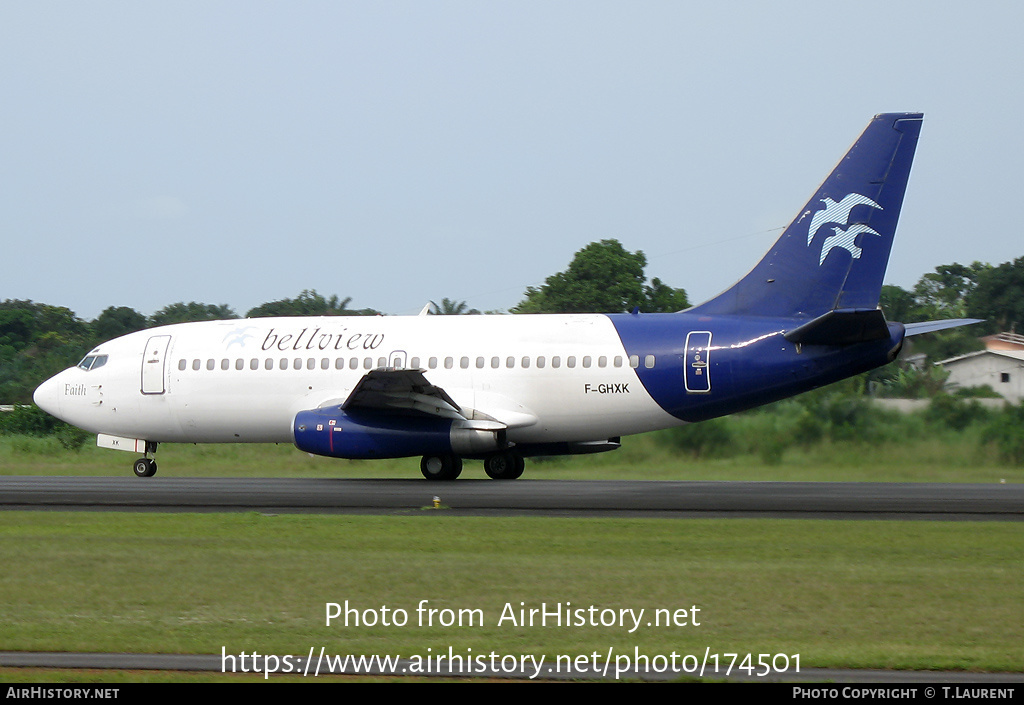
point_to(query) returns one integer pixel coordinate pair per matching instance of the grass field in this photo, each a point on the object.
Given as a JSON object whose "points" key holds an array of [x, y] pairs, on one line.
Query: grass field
{"points": [[954, 458], [872, 594], [862, 594]]}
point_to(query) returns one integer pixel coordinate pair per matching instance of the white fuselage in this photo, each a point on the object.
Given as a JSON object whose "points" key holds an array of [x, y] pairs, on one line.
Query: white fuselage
{"points": [[546, 378]]}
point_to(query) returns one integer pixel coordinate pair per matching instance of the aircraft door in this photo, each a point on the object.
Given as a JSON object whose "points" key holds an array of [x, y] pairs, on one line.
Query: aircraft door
{"points": [[153, 363], [696, 371]]}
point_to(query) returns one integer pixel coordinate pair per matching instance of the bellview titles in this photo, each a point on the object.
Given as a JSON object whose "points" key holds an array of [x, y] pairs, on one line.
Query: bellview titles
{"points": [[503, 388]]}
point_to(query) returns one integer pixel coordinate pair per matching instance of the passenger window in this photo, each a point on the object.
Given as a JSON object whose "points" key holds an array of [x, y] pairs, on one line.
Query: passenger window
{"points": [[649, 361], [586, 360], [368, 363], [310, 363], [210, 364], [618, 360], [556, 361], [197, 365], [495, 362], [414, 363], [634, 361], [284, 363], [225, 364], [432, 364], [448, 362], [182, 364], [464, 362], [254, 364], [510, 362], [268, 363], [353, 364], [298, 363], [526, 362], [382, 362], [540, 361], [239, 364], [570, 361], [479, 363], [602, 361], [325, 364]]}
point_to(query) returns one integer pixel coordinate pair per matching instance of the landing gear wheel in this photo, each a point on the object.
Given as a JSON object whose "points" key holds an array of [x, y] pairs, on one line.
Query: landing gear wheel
{"points": [[145, 467], [504, 466], [441, 467]]}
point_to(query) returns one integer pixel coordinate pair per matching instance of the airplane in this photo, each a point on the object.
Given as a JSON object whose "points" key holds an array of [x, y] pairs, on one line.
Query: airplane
{"points": [[504, 388]]}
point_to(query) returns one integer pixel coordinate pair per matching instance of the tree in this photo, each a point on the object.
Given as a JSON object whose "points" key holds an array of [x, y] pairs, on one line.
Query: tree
{"points": [[603, 277], [898, 304], [192, 311], [116, 321], [36, 341], [450, 307], [16, 328], [998, 296], [662, 298], [943, 293], [309, 303]]}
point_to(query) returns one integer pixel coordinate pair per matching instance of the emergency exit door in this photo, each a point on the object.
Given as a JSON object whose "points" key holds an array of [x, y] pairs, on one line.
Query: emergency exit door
{"points": [[696, 370]]}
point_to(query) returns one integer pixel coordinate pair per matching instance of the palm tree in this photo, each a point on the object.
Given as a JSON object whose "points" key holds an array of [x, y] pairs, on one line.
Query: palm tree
{"points": [[450, 307]]}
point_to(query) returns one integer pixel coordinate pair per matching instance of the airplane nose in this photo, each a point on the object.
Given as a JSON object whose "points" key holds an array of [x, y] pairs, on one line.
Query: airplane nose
{"points": [[47, 397]]}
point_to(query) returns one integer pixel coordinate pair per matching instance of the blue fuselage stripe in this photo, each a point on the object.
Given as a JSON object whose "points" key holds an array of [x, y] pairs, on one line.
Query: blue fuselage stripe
{"points": [[748, 361]]}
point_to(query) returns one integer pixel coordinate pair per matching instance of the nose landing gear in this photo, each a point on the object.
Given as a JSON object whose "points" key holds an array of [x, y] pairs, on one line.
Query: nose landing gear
{"points": [[146, 467]]}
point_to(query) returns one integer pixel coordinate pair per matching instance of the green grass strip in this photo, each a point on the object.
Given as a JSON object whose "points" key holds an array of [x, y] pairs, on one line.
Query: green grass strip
{"points": [[865, 594]]}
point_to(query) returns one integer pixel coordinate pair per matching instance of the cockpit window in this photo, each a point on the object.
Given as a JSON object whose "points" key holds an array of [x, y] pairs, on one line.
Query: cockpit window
{"points": [[91, 362]]}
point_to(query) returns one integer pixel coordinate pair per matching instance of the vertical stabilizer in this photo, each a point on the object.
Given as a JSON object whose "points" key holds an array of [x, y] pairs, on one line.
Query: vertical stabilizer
{"points": [[833, 255]]}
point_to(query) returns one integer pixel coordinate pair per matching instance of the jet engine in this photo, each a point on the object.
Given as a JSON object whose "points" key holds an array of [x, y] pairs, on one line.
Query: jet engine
{"points": [[366, 434]]}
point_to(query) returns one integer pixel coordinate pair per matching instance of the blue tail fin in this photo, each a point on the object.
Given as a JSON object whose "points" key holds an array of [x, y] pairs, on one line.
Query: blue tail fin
{"points": [[833, 255]]}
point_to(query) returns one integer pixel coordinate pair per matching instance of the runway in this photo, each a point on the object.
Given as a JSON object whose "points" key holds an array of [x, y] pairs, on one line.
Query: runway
{"points": [[821, 500]]}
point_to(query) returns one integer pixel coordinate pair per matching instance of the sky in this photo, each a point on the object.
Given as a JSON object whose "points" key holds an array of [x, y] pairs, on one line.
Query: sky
{"points": [[231, 152]]}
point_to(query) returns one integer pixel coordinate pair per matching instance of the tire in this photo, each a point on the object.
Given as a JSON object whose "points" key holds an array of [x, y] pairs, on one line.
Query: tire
{"points": [[441, 467], [504, 466], [144, 467]]}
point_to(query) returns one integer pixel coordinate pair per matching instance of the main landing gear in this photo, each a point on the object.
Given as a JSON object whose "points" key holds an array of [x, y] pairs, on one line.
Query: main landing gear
{"points": [[441, 467], [504, 465]]}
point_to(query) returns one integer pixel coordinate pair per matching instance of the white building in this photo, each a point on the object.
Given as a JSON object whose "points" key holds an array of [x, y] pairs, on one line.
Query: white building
{"points": [[1002, 370]]}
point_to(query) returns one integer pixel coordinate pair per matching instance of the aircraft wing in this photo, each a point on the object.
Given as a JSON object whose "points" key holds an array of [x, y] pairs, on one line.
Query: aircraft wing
{"points": [[401, 391], [393, 391]]}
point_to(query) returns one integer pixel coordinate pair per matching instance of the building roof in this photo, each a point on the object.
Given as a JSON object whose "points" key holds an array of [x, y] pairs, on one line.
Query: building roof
{"points": [[1004, 341], [1012, 354]]}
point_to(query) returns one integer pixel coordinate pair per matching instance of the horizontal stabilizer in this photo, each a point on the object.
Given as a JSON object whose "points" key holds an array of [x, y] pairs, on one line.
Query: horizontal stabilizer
{"points": [[841, 327], [932, 326]]}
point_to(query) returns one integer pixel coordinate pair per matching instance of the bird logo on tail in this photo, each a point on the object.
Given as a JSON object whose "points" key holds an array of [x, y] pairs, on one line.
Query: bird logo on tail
{"points": [[839, 212]]}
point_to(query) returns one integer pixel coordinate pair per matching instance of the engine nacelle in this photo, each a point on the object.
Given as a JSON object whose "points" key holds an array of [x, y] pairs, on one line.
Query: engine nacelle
{"points": [[358, 434]]}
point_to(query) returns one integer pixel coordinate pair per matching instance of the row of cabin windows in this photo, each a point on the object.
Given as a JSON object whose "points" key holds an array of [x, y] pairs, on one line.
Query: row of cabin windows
{"points": [[367, 363]]}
